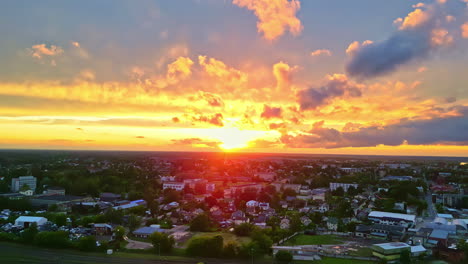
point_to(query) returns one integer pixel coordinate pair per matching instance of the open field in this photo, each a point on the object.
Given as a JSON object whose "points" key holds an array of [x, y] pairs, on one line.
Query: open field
{"points": [[16, 253], [313, 240], [335, 261], [228, 237]]}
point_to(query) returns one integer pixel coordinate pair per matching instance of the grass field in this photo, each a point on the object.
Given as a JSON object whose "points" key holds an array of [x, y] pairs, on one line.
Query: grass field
{"points": [[336, 261], [11, 253], [313, 240], [228, 237], [362, 252]]}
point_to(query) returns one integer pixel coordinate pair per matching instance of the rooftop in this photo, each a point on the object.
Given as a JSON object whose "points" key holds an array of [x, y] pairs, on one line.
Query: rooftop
{"points": [[392, 245], [380, 214]]}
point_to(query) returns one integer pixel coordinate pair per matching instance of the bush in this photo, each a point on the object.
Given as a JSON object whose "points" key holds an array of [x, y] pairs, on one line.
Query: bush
{"points": [[4, 236], [162, 241], [87, 243], [284, 256], [52, 239], [200, 223], [231, 250], [244, 229], [206, 247]]}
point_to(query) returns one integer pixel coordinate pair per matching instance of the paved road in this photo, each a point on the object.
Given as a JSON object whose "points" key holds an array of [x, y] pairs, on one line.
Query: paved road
{"points": [[133, 244]]}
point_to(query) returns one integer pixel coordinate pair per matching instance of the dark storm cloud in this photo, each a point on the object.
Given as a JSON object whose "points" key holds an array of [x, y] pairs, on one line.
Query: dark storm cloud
{"points": [[336, 86], [415, 132]]}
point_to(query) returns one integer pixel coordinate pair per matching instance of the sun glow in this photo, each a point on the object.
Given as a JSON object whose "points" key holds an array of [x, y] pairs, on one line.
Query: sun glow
{"points": [[234, 138]]}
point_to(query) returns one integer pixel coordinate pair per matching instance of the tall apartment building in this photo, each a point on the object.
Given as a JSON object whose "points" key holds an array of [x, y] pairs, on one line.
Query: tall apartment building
{"points": [[18, 183]]}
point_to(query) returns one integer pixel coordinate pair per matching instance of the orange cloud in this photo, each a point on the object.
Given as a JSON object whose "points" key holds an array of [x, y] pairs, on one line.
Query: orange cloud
{"points": [[320, 52], [441, 37], [217, 68], [275, 16], [415, 19], [179, 69], [355, 46], [41, 52], [282, 73], [464, 29]]}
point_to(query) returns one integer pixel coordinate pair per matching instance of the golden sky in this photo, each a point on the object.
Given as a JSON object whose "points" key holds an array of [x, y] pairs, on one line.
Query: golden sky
{"points": [[243, 75]]}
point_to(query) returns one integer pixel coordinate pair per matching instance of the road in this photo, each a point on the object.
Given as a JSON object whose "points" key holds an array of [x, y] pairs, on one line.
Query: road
{"points": [[133, 244]]}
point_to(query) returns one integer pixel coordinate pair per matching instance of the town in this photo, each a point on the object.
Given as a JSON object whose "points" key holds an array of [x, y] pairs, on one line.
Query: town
{"points": [[242, 207]]}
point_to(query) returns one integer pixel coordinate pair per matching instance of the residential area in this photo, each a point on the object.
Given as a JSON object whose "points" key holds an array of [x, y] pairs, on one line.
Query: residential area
{"points": [[242, 207]]}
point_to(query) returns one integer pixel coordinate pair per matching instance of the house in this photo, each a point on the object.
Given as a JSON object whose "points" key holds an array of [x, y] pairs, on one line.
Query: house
{"points": [[438, 237], [264, 206], [54, 190], [261, 220], [251, 203], [324, 207], [305, 220], [178, 186], [102, 229], [27, 221], [319, 194], [146, 231], [109, 197], [27, 192], [417, 251], [239, 217], [344, 186], [362, 231], [285, 223], [332, 224]]}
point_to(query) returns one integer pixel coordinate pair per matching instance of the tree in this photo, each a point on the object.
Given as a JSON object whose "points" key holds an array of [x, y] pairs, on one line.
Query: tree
{"points": [[87, 243], [405, 257], [114, 216], [133, 222], [231, 250], [338, 192], [201, 223], [206, 246], [463, 245], [119, 232], [244, 229], [289, 192], [262, 240], [28, 235], [25, 187], [284, 256], [60, 220], [57, 239], [162, 242]]}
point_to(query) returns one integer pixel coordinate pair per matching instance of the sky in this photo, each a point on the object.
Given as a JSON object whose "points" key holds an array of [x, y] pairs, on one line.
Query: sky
{"points": [[288, 76]]}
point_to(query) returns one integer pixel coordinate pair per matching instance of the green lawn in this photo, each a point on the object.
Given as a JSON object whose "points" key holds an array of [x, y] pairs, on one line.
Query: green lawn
{"points": [[313, 240], [362, 252], [335, 261], [228, 237]]}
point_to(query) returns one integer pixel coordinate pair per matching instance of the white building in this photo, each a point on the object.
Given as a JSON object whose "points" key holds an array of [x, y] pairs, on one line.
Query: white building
{"points": [[18, 183], [386, 218], [345, 186], [351, 170], [178, 186], [26, 221], [251, 203]]}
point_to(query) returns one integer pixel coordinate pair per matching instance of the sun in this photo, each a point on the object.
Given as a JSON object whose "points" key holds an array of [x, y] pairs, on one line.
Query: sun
{"points": [[234, 138]]}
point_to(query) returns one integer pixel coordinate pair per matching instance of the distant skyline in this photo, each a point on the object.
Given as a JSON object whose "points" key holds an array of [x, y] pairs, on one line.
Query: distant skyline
{"points": [[366, 77]]}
